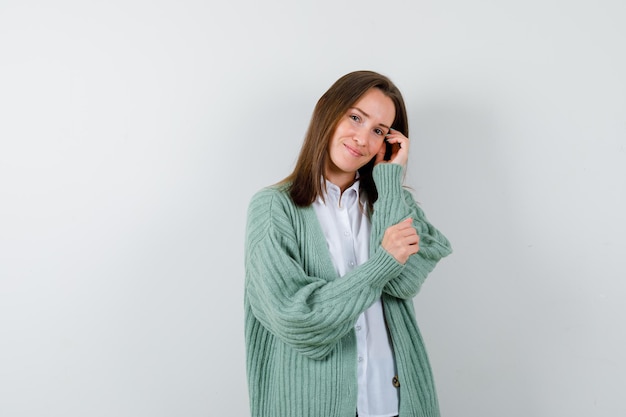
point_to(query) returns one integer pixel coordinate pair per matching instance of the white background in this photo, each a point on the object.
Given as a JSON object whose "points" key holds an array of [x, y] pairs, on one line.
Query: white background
{"points": [[133, 134]]}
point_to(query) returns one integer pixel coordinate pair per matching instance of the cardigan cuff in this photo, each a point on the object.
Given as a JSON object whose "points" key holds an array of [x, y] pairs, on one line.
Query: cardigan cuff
{"points": [[386, 266], [388, 178]]}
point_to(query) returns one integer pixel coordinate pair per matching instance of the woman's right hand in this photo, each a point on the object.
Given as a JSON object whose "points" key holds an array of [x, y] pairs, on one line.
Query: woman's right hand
{"points": [[399, 148], [401, 240]]}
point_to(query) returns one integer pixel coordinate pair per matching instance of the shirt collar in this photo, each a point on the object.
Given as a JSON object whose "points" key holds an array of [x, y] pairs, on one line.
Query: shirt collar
{"points": [[351, 195]]}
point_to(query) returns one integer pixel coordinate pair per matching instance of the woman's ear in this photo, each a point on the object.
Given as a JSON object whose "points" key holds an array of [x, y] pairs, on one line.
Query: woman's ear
{"points": [[381, 155]]}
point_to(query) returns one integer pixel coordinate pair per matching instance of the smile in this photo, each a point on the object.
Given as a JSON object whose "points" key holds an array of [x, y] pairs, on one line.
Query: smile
{"points": [[353, 151]]}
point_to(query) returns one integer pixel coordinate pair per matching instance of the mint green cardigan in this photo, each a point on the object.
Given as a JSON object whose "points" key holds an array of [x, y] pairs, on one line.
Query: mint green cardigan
{"points": [[300, 316]]}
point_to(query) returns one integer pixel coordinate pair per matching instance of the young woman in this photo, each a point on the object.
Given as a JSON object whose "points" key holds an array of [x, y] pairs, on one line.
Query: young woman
{"points": [[334, 255]]}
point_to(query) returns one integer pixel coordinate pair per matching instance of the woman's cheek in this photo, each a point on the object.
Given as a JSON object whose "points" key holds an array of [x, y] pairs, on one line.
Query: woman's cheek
{"points": [[378, 147]]}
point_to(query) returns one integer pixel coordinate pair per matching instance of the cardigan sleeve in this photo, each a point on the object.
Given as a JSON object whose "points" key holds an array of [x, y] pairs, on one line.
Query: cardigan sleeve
{"points": [[309, 313], [395, 204]]}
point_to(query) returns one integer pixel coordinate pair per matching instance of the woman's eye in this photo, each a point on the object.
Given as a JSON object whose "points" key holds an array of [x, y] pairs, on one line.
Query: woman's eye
{"points": [[378, 132], [355, 117]]}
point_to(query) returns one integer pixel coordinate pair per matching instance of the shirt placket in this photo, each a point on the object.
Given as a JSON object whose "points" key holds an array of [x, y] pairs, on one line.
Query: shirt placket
{"points": [[350, 256]]}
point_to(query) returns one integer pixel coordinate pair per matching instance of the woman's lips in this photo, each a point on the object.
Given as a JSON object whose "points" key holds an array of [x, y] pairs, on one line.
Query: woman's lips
{"points": [[353, 151]]}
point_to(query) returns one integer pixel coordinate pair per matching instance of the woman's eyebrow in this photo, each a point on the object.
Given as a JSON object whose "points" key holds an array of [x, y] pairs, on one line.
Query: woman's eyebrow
{"points": [[368, 116]]}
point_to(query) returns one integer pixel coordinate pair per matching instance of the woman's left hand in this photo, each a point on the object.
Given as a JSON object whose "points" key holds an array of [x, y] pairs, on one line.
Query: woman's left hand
{"points": [[399, 148]]}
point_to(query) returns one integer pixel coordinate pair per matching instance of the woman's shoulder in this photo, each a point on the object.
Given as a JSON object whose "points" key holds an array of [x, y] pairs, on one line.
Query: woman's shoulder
{"points": [[280, 190], [271, 194], [271, 208]]}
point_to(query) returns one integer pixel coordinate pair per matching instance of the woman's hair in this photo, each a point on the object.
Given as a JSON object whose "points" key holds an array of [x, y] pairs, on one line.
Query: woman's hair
{"points": [[305, 183]]}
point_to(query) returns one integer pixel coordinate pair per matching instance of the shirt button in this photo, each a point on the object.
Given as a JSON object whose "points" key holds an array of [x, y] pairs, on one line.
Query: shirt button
{"points": [[351, 263], [358, 328], [360, 359], [346, 233], [395, 381]]}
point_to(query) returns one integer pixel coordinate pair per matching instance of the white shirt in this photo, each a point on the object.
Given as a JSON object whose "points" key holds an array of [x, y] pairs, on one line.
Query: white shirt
{"points": [[347, 231]]}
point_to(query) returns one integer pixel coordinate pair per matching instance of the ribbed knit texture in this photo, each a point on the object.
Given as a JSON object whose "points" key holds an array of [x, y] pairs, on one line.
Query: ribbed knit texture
{"points": [[300, 316]]}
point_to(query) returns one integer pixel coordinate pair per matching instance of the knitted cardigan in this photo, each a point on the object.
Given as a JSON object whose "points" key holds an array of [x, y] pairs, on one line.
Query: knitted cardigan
{"points": [[300, 316]]}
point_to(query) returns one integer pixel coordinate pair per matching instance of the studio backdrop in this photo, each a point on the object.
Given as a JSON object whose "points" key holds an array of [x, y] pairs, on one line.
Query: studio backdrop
{"points": [[133, 134]]}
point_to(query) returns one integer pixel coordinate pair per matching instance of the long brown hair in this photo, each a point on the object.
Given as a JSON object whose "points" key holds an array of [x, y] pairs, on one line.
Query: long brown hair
{"points": [[304, 182]]}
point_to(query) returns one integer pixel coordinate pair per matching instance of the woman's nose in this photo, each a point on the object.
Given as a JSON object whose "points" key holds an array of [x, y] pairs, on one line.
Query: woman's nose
{"points": [[360, 136]]}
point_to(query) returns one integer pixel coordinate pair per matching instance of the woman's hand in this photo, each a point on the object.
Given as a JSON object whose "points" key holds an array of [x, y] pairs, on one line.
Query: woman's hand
{"points": [[401, 240], [399, 148]]}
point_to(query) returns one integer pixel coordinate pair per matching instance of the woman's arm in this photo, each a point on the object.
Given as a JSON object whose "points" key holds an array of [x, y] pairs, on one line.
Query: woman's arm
{"points": [[310, 313], [395, 204]]}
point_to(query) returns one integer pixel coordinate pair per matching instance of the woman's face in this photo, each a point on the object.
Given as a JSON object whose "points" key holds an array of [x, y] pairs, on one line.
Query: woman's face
{"points": [[359, 136]]}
